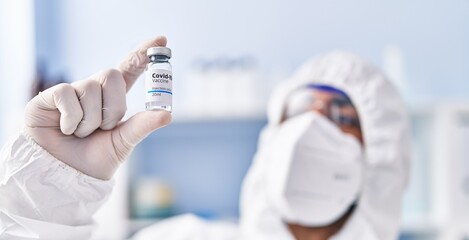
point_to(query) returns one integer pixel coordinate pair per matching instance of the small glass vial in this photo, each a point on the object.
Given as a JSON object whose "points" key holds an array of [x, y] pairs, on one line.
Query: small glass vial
{"points": [[159, 80]]}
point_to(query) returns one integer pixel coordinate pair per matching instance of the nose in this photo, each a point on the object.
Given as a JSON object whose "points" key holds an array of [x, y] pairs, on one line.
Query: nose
{"points": [[320, 107]]}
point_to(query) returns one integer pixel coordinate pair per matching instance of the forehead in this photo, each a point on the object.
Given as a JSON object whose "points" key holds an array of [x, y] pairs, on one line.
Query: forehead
{"points": [[314, 98], [322, 99], [325, 88], [325, 94], [335, 97]]}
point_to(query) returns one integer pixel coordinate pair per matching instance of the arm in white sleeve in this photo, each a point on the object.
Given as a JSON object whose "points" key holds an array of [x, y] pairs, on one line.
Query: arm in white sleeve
{"points": [[43, 198]]}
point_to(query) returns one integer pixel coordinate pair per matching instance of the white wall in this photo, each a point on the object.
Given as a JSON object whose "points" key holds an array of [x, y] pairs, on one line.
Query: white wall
{"points": [[432, 35], [17, 63]]}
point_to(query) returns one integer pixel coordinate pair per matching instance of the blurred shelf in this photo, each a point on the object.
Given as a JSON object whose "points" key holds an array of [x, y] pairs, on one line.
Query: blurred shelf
{"points": [[423, 226], [218, 118]]}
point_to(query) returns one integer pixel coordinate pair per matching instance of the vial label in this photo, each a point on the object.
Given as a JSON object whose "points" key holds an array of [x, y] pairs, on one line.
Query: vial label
{"points": [[159, 87]]}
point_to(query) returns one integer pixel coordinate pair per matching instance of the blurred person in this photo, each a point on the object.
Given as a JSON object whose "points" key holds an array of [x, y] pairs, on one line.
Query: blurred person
{"points": [[332, 163], [335, 191]]}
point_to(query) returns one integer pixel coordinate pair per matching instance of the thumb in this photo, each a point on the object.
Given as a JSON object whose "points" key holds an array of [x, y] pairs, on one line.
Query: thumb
{"points": [[135, 62], [139, 126]]}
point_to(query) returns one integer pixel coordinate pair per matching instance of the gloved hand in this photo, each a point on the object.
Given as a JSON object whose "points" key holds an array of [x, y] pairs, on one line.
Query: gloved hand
{"points": [[80, 123]]}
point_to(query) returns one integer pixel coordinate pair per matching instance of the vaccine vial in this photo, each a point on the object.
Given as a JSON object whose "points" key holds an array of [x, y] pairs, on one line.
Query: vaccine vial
{"points": [[158, 80]]}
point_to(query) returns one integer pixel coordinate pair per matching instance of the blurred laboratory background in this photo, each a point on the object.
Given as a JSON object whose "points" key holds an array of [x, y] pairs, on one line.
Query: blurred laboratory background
{"points": [[227, 57]]}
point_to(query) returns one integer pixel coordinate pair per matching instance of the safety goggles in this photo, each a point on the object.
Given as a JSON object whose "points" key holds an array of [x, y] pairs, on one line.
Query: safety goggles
{"points": [[331, 102]]}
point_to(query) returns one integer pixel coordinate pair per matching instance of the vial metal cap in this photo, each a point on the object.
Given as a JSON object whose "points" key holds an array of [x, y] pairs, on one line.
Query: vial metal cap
{"points": [[159, 51]]}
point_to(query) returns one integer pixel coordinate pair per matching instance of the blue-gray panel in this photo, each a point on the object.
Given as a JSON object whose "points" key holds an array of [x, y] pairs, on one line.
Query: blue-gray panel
{"points": [[204, 162]]}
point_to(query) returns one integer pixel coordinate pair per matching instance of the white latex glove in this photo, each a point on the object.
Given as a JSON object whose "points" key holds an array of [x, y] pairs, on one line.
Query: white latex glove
{"points": [[80, 123]]}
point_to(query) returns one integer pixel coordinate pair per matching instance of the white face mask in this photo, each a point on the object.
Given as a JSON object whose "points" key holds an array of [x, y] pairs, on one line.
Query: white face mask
{"points": [[313, 171]]}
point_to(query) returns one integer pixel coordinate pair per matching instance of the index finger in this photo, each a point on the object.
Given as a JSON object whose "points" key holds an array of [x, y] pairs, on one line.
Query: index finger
{"points": [[134, 64]]}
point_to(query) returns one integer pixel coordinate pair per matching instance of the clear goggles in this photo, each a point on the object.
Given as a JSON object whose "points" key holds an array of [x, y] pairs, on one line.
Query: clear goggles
{"points": [[331, 102]]}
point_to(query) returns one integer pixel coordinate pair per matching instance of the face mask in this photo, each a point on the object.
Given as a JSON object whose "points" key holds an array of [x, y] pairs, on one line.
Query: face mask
{"points": [[313, 171]]}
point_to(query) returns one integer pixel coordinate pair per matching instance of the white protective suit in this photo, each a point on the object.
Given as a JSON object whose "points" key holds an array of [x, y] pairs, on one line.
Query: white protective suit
{"points": [[43, 198], [385, 129]]}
